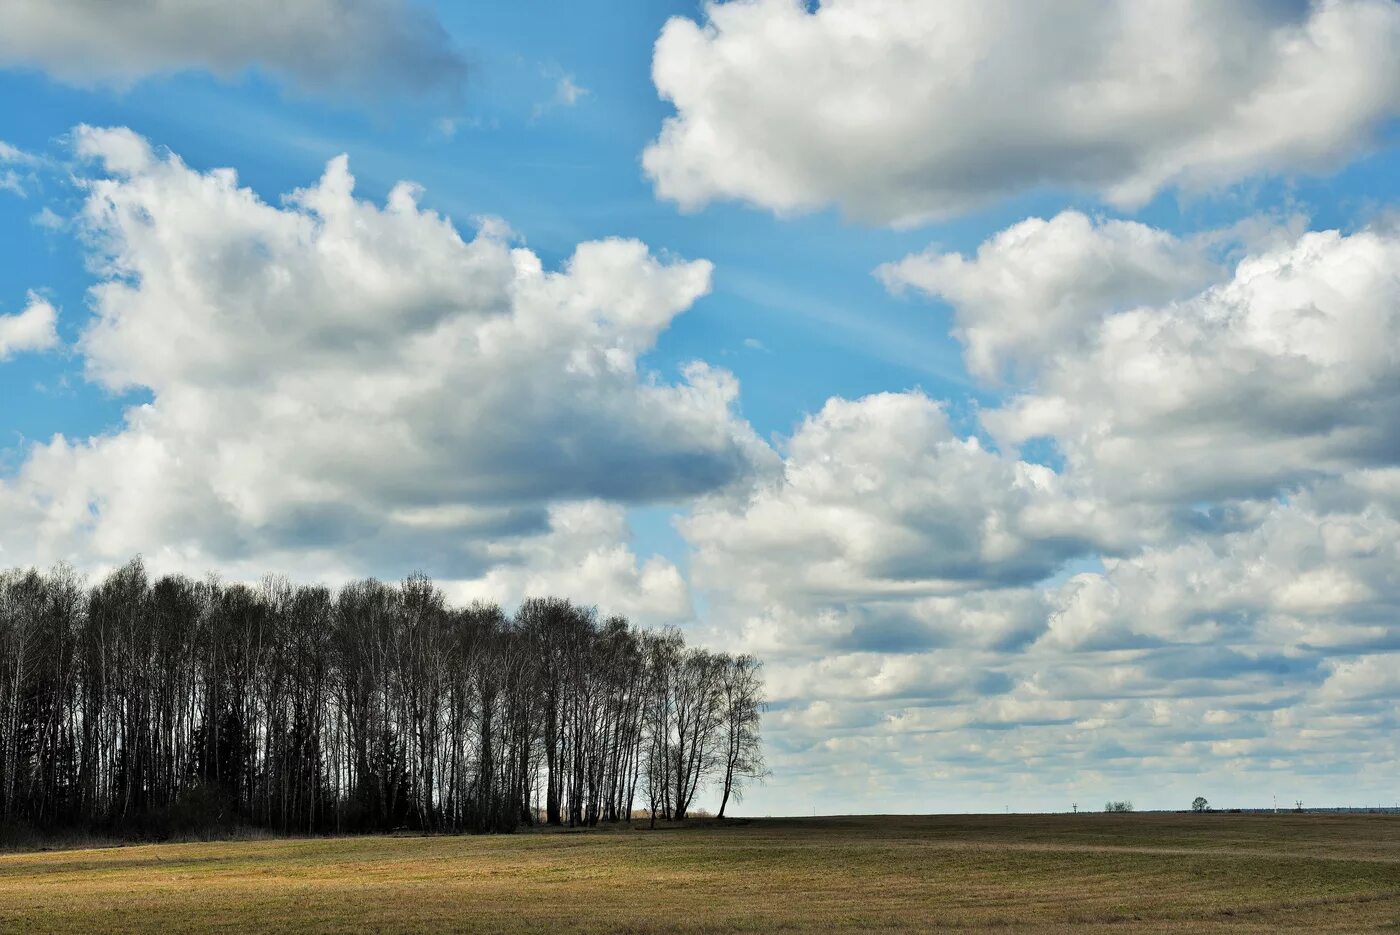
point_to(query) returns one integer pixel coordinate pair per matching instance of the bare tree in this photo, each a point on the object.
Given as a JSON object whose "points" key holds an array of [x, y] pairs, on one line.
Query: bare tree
{"points": [[176, 705], [741, 688]]}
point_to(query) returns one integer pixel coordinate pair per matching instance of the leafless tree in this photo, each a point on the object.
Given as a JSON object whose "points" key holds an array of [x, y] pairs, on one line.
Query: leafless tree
{"points": [[741, 687], [149, 707]]}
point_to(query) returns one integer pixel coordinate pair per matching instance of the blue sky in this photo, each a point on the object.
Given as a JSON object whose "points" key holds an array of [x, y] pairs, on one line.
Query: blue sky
{"points": [[832, 537]]}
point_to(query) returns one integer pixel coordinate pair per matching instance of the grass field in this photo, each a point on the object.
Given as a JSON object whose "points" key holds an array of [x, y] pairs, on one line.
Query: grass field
{"points": [[1062, 873]]}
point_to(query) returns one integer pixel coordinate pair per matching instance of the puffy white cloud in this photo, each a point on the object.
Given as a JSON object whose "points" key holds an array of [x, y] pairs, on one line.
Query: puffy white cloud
{"points": [[585, 555], [1365, 678], [1284, 372], [1040, 286], [337, 386], [879, 498], [32, 329], [902, 110], [364, 45], [1302, 579]]}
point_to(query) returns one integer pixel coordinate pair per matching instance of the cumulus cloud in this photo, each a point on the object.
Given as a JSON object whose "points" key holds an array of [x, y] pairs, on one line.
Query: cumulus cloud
{"points": [[32, 329], [887, 532], [1260, 656], [367, 46], [336, 385], [1367, 678], [899, 110], [1301, 578], [586, 552], [1285, 371], [880, 498], [1040, 286]]}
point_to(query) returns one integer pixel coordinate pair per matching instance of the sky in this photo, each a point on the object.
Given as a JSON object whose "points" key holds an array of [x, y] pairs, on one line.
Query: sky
{"points": [[1021, 382]]}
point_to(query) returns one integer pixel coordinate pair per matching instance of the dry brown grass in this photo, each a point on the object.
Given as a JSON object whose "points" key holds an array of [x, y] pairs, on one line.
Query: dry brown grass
{"points": [[1085, 873]]}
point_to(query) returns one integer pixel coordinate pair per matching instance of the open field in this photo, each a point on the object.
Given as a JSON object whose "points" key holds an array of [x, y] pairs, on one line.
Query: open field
{"points": [[1061, 873]]}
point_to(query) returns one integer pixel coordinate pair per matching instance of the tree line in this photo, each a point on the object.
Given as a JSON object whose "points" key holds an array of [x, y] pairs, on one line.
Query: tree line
{"points": [[175, 706]]}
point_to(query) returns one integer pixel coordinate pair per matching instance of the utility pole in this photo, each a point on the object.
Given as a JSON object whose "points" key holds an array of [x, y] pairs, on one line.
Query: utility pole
{"points": [[1075, 806]]}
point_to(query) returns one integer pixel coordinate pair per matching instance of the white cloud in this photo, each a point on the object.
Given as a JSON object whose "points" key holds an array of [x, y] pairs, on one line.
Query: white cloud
{"points": [[1286, 371], [1369, 677], [32, 329], [337, 386], [367, 46], [1041, 286], [900, 110], [585, 555], [1300, 577], [886, 533], [879, 498]]}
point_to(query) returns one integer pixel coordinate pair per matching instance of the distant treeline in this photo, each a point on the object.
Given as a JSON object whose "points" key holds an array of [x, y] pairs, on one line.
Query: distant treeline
{"points": [[182, 706]]}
